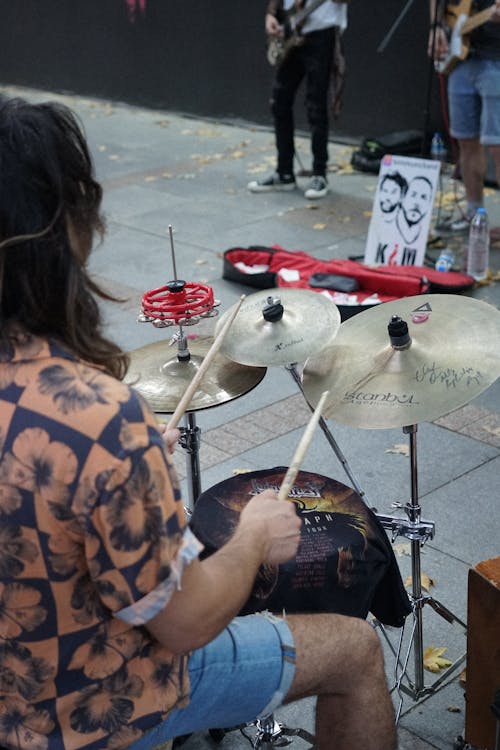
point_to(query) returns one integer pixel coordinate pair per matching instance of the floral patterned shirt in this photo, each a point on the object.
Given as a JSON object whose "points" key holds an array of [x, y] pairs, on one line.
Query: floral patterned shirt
{"points": [[93, 540]]}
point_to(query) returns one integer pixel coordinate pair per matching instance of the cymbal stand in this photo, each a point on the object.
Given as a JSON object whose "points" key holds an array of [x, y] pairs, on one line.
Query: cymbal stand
{"points": [[182, 304], [292, 369], [418, 531]]}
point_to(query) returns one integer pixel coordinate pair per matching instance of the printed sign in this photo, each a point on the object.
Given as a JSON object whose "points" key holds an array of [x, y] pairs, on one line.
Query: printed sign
{"points": [[402, 211]]}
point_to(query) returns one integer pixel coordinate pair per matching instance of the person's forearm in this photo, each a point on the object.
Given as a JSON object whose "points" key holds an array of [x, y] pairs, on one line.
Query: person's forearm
{"points": [[213, 592]]}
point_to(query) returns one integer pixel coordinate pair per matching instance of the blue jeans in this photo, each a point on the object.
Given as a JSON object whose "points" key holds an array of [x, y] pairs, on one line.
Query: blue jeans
{"points": [[244, 673], [474, 100]]}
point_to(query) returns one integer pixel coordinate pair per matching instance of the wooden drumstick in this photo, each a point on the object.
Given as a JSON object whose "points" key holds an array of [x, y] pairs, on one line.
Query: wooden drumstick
{"points": [[301, 449], [207, 361]]}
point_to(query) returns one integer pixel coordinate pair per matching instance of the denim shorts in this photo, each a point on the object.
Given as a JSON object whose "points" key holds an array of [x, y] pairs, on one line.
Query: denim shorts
{"points": [[474, 100], [243, 674]]}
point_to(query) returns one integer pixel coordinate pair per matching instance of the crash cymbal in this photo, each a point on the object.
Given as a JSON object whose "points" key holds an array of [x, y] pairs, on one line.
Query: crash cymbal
{"points": [[157, 374], [453, 355], [297, 323]]}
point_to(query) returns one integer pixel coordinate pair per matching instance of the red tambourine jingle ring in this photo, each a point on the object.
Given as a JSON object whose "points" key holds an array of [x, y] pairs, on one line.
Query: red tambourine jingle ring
{"points": [[189, 301]]}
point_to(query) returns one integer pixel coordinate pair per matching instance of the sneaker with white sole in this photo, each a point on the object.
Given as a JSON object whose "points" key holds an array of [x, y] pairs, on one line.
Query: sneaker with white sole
{"points": [[275, 181], [318, 187]]}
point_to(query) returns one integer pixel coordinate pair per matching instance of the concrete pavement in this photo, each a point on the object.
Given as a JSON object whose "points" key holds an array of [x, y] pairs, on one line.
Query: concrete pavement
{"points": [[160, 169]]}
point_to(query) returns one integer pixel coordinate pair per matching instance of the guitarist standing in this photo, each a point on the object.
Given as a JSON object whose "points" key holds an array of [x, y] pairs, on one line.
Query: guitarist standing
{"points": [[309, 32], [473, 91]]}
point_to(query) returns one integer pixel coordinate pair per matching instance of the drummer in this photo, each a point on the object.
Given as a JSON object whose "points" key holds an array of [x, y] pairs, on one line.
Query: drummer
{"points": [[114, 633]]}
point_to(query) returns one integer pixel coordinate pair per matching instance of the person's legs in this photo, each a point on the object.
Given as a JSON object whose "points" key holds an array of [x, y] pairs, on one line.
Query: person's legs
{"points": [[489, 89], [465, 125], [288, 78], [260, 661], [318, 57], [340, 660], [473, 169]]}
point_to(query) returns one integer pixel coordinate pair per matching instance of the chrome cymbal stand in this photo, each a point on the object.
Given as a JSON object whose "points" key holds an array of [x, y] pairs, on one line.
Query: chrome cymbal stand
{"points": [[183, 310], [292, 369], [418, 531]]}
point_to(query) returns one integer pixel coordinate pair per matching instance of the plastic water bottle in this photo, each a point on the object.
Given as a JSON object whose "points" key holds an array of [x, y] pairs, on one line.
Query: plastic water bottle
{"points": [[438, 150], [478, 254], [445, 260]]}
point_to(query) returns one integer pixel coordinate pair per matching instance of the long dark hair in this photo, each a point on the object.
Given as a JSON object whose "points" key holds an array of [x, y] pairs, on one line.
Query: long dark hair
{"points": [[49, 216]]}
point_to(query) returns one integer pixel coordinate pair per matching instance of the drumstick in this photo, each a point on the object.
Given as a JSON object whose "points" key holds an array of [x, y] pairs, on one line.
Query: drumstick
{"points": [[301, 449], [207, 361]]}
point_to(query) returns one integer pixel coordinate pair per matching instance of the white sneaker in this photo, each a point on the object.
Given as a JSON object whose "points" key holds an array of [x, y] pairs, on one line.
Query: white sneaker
{"points": [[318, 188], [275, 181]]}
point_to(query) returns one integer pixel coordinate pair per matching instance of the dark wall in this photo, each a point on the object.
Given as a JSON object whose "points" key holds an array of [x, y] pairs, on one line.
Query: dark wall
{"points": [[207, 58]]}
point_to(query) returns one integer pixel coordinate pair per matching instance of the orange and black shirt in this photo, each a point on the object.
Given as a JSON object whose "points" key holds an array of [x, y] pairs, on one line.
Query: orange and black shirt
{"points": [[93, 540]]}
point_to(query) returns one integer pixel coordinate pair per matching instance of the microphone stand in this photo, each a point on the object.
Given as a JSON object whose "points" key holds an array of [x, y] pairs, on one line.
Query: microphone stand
{"points": [[382, 46]]}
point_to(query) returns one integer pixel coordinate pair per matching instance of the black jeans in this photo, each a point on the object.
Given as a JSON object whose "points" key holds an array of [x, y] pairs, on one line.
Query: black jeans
{"points": [[312, 60]]}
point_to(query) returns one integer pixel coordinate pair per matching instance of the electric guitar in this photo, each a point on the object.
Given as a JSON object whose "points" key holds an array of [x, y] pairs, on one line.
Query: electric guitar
{"points": [[461, 23], [279, 47]]}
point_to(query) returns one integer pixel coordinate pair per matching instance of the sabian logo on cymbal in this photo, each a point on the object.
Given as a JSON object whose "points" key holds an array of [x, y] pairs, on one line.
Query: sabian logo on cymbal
{"points": [[367, 397]]}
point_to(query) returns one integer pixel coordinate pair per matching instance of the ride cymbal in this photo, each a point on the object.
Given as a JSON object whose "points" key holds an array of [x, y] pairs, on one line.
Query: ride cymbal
{"points": [[279, 327], [452, 354], [157, 374]]}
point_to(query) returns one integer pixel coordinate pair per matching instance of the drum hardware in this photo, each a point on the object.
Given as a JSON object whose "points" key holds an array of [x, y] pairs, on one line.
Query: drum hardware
{"points": [[162, 376], [190, 441], [279, 326], [271, 733], [292, 369], [439, 357], [275, 320], [418, 531]]}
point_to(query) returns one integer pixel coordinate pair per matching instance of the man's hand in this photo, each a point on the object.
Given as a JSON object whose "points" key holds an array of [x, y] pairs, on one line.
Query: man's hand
{"points": [[438, 46], [277, 525], [170, 437], [273, 27]]}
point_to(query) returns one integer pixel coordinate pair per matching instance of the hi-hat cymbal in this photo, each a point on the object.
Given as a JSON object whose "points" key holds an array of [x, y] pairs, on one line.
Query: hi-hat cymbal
{"points": [[298, 323], [453, 355], [157, 374]]}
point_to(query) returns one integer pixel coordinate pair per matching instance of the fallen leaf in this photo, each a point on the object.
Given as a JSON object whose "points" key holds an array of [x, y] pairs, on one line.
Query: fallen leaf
{"points": [[493, 430], [454, 709], [312, 206], [150, 178], [433, 659], [425, 581], [367, 214], [402, 549], [319, 226], [241, 471], [462, 678], [400, 448]]}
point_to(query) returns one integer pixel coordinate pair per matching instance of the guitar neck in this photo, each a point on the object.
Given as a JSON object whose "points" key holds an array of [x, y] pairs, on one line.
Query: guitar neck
{"points": [[301, 15], [477, 20]]}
